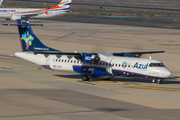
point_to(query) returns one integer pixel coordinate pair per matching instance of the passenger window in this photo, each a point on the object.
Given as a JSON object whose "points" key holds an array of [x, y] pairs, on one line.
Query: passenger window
{"points": [[116, 65], [74, 61], [129, 66], [68, 61], [119, 65], [62, 60], [59, 60], [65, 61]]}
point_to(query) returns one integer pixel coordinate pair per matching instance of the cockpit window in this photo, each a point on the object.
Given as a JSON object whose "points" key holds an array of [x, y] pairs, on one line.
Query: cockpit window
{"points": [[156, 65]]}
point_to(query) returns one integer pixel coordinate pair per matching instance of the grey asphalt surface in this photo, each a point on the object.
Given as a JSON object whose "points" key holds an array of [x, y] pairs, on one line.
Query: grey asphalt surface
{"points": [[31, 92], [78, 95], [159, 22], [25, 101]]}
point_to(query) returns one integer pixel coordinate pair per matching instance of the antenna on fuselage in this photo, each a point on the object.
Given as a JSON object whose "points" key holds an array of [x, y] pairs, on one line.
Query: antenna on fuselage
{"points": [[149, 57]]}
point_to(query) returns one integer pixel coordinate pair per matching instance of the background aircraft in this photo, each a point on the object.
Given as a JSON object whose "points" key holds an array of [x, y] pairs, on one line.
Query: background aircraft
{"points": [[19, 13], [102, 65], [1, 3]]}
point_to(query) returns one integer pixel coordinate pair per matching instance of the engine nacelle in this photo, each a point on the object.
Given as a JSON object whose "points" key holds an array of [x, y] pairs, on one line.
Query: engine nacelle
{"points": [[15, 17], [89, 58], [100, 73]]}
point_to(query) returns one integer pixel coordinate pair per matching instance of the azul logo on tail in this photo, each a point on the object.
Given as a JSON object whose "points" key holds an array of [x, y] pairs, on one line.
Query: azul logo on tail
{"points": [[28, 39]]}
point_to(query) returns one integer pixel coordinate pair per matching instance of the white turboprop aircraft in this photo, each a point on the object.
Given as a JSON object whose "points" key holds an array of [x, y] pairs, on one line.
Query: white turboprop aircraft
{"points": [[102, 65], [19, 13]]}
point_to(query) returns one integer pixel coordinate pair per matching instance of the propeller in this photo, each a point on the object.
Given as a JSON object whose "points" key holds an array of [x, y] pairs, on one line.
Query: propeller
{"points": [[137, 48]]}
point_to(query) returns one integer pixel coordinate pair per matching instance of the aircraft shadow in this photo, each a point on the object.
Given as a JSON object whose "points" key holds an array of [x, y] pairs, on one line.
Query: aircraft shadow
{"points": [[110, 109], [64, 113], [171, 80], [70, 76]]}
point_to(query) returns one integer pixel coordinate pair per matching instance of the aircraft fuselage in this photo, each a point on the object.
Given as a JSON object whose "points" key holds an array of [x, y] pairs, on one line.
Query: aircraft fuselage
{"points": [[113, 65]]}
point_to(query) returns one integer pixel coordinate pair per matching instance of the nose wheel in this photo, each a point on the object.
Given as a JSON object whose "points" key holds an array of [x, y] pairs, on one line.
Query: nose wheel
{"points": [[159, 81]]}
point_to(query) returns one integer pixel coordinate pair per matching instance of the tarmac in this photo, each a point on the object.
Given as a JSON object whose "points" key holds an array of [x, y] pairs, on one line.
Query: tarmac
{"points": [[29, 91]]}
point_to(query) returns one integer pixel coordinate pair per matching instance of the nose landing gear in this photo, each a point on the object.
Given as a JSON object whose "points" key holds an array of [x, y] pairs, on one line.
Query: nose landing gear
{"points": [[159, 81]]}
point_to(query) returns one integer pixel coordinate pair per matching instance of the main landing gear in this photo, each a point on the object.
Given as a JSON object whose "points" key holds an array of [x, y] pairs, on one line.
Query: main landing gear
{"points": [[85, 78], [159, 81]]}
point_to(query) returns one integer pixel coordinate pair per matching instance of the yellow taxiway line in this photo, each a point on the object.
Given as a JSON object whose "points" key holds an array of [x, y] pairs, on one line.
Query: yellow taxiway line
{"points": [[155, 88]]}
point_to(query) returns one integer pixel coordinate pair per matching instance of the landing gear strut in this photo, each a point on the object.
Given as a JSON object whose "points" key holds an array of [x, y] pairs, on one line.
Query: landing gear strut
{"points": [[85, 78], [160, 81]]}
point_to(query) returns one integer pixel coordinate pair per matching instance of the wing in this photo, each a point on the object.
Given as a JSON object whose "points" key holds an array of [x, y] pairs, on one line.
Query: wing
{"points": [[94, 58], [84, 57], [30, 14], [125, 54], [58, 53], [136, 54]]}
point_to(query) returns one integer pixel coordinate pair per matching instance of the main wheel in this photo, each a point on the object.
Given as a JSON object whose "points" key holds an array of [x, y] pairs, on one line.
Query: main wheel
{"points": [[85, 78]]}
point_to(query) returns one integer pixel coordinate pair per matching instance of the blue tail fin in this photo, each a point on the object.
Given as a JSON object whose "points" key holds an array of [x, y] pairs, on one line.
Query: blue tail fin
{"points": [[29, 41]]}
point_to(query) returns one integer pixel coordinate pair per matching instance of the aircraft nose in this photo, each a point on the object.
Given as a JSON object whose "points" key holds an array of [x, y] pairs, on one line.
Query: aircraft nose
{"points": [[167, 73]]}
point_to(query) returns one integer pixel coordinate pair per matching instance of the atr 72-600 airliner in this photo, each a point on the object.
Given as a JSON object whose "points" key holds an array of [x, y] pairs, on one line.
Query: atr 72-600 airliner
{"points": [[18, 13], [101, 65]]}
